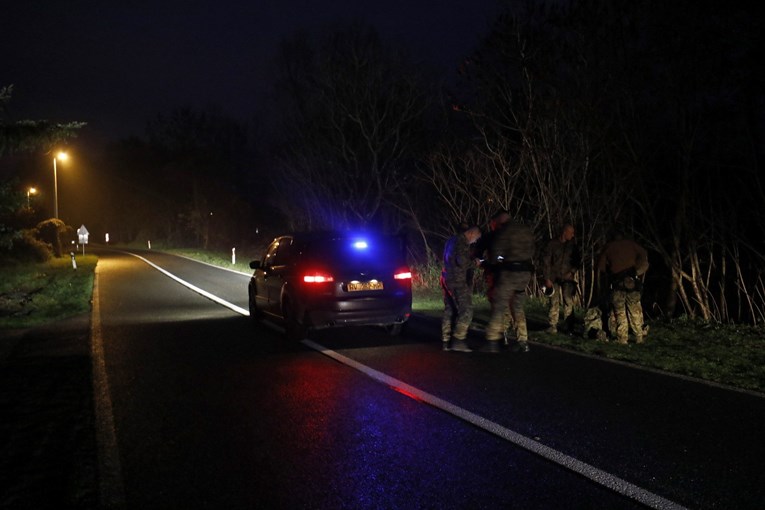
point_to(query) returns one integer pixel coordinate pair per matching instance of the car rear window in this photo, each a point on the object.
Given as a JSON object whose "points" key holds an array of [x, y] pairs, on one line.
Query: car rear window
{"points": [[387, 250]]}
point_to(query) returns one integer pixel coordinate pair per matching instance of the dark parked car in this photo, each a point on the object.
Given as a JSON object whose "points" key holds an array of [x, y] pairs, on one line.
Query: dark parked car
{"points": [[329, 279]]}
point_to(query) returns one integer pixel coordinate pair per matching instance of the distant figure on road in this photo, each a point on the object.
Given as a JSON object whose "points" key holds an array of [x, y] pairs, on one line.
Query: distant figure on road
{"points": [[625, 262], [510, 253], [560, 262], [458, 293]]}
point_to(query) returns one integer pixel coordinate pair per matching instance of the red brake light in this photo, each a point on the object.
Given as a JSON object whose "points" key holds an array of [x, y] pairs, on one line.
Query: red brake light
{"points": [[403, 275], [318, 278]]}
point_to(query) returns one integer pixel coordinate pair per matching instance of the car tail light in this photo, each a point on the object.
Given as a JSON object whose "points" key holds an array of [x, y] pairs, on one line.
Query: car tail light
{"points": [[404, 274], [316, 277]]}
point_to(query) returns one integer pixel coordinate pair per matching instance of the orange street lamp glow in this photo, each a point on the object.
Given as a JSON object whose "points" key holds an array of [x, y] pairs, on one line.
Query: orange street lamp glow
{"points": [[30, 191], [63, 157]]}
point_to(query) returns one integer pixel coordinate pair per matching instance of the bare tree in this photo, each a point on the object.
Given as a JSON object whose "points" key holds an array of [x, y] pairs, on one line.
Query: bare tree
{"points": [[351, 115]]}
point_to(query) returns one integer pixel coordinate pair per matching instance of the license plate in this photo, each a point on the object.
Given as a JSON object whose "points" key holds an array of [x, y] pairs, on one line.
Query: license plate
{"points": [[359, 286]]}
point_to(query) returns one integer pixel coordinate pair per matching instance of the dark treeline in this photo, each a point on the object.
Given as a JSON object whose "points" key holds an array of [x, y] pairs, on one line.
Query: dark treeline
{"points": [[646, 117]]}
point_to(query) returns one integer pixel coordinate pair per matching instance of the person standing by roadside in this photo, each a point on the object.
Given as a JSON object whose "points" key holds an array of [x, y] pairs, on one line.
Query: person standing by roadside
{"points": [[625, 262], [489, 271], [560, 262], [457, 292], [510, 253]]}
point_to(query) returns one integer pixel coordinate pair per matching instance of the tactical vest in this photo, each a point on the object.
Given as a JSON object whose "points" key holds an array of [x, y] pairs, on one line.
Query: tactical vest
{"points": [[513, 247]]}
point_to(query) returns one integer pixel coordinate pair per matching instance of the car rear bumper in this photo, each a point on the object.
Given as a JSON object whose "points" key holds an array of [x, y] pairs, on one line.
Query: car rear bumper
{"points": [[319, 319]]}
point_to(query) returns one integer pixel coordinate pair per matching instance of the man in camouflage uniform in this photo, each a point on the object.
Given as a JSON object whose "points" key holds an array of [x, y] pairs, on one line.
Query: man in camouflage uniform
{"points": [[489, 273], [510, 254], [560, 261], [625, 262], [458, 294]]}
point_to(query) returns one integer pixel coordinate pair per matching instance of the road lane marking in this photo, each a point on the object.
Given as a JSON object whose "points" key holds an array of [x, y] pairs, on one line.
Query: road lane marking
{"points": [[208, 295], [598, 476], [110, 484]]}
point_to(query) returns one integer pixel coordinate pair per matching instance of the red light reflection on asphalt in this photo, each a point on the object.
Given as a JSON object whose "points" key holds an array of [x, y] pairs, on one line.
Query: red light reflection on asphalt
{"points": [[406, 393]]}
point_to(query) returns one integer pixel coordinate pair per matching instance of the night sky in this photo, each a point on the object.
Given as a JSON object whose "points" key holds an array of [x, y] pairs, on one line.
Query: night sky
{"points": [[116, 66]]}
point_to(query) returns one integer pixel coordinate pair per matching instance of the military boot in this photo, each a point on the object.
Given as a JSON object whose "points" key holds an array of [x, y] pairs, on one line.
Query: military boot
{"points": [[491, 347], [460, 345], [521, 346]]}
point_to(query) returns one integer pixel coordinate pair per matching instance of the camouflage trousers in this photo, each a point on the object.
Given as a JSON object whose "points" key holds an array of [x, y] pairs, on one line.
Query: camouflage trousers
{"points": [[629, 315], [564, 296], [458, 311], [508, 294], [507, 317]]}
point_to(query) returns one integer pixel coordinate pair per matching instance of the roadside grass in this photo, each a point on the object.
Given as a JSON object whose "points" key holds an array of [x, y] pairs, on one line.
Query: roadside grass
{"points": [[242, 262], [36, 293]]}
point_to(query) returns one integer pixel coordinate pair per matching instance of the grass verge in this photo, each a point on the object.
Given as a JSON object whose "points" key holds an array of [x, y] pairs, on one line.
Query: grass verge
{"points": [[33, 294], [242, 263]]}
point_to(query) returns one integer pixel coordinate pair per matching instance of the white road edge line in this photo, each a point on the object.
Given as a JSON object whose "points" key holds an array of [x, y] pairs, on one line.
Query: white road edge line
{"points": [[110, 485], [213, 297], [598, 476]]}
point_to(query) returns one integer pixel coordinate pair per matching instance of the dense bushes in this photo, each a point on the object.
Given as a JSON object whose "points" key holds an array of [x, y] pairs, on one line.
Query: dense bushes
{"points": [[39, 244], [28, 248], [51, 231]]}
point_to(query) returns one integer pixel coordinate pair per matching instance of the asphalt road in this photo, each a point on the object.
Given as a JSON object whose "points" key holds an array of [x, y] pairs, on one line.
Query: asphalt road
{"points": [[199, 408]]}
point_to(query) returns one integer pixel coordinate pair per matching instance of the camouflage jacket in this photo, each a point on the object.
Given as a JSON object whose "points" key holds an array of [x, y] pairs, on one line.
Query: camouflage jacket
{"points": [[512, 243], [457, 260], [560, 260]]}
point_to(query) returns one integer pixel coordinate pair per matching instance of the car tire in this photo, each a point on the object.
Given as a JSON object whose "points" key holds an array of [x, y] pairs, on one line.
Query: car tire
{"points": [[294, 330]]}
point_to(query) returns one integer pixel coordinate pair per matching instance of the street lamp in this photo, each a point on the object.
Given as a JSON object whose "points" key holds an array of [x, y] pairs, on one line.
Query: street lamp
{"points": [[30, 191], [63, 157]]}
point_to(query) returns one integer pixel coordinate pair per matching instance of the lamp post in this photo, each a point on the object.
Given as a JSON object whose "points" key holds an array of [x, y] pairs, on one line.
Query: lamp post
{"points": [[30, 191], [63, 157]]}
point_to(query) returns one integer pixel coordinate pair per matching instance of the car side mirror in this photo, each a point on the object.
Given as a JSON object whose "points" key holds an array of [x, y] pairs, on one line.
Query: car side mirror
{"points": [[255, 264]]}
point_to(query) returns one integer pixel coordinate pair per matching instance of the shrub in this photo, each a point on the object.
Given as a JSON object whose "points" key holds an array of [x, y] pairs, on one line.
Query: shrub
{"points": [[50, 231], [28, 248], [426, 277], [68, 236]]}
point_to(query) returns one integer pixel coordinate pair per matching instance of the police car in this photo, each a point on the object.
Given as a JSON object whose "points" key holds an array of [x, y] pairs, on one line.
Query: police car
{"points": [[332, 279]]}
